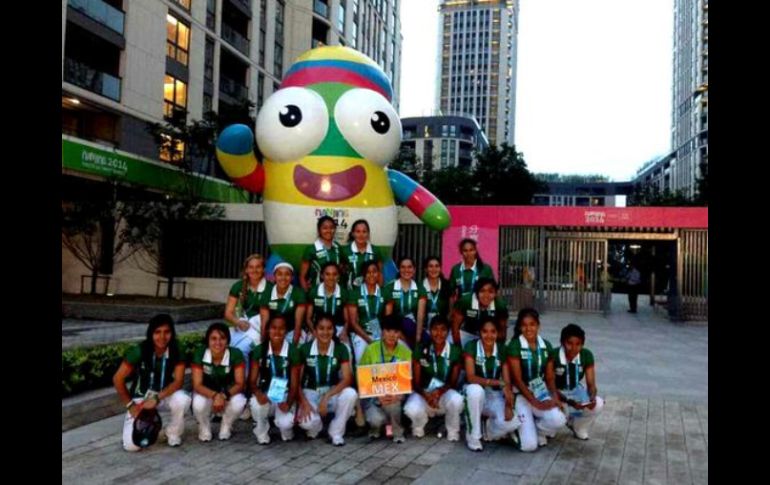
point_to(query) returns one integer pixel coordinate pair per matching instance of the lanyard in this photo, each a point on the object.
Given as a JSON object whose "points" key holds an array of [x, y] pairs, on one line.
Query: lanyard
{"points": [[434, 299], [406, 294], [462, 277], [354, 254], [435, 365], [162, 373], [272, 366], [326, 254], [334, 301], [286, 301], [534, 373], [365, 294], [382, 354], [480, 352], [328, 369], [577, 374]]}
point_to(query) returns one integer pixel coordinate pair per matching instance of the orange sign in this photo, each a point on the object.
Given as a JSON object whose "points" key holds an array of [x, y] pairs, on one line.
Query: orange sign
{"points": [[384, 379]]}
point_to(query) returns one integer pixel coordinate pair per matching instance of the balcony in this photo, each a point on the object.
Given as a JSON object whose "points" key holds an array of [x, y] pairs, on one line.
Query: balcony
{"points": [[101, 12], [234, 89], [88, 78], [235, 38], [243, 6]]}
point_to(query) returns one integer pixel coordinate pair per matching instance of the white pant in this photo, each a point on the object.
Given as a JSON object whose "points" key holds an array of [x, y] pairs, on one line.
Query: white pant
{"points": [[359, 346], [547, 422], [246, 341], [343, 405], [581, 423], [449, 404], [377, 415], [176, 403], [465, 337], [261, 413], [202, 410], [490, 403]]}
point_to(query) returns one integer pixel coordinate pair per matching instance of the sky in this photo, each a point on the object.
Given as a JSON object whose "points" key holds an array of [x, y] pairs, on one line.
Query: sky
{"points": [[593, 81]]}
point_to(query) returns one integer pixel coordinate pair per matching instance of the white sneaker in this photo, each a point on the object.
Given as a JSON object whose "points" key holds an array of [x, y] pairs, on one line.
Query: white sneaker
{"points": [[453, 436], [224, 432], [541, 439], [418, 432], [288, 436], [204, 433], [581, 435], [399, 439], [261, 440], [474, 444], [245, 414], [174, 440], [338, 441]]}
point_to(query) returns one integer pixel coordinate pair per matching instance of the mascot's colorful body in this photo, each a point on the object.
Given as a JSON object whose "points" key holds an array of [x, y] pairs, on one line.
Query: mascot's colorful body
{"points": [[327, 135]]}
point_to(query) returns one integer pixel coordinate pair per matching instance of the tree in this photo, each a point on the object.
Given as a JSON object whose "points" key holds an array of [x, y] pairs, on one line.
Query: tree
{"points": [[94, 231], [452, 185], [152, 232], [501, 177], [151, 223], [651, 195], [407, 162]]}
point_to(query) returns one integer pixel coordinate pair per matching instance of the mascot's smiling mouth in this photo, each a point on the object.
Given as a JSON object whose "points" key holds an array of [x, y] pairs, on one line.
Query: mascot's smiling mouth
{"points": [[330, 187]]}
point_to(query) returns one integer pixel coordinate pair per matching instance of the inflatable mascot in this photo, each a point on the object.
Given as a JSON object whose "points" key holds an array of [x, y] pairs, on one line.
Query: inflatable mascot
{"points": [[327, 136]]}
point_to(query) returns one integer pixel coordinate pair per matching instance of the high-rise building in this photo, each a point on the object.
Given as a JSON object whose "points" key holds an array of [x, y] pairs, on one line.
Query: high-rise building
{"points": [[126, 64], [477, 63], [689, 117]]}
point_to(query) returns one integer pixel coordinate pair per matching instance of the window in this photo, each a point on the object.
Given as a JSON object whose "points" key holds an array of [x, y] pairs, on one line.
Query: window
{"points": [[174, 97], [260, 90], [341, 17], [207, 103], [278, 56], [208, 68], [444, 130], [171, 149], [444, 147], [177, 39], [278, 61], [184, 3], [211, 14], [262, 31]]}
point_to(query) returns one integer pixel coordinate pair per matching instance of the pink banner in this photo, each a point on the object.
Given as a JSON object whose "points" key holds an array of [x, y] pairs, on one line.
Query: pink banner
{"points": [[482, 223]]}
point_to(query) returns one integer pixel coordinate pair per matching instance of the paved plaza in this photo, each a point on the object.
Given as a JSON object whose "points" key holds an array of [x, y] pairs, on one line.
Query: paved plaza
{"points": [[654, 429]]}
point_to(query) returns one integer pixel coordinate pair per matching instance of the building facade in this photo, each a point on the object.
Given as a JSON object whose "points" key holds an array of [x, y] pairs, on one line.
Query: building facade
{"points": [[599, 194], [689, 117], [443, 141], [128, 63], [477, 42]]}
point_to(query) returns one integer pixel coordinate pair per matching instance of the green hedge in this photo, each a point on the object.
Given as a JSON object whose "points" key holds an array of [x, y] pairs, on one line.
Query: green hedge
{"points": [[86, 369]]}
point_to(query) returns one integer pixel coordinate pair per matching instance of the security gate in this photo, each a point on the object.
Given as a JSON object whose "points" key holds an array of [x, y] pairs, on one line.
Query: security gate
{"points": [[692, 273], [521, 265], [576, 275]]}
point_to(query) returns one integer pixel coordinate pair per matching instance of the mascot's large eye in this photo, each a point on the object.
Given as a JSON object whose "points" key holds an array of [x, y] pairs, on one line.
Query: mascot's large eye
{"points": [[292, 123], [370, 124]]}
